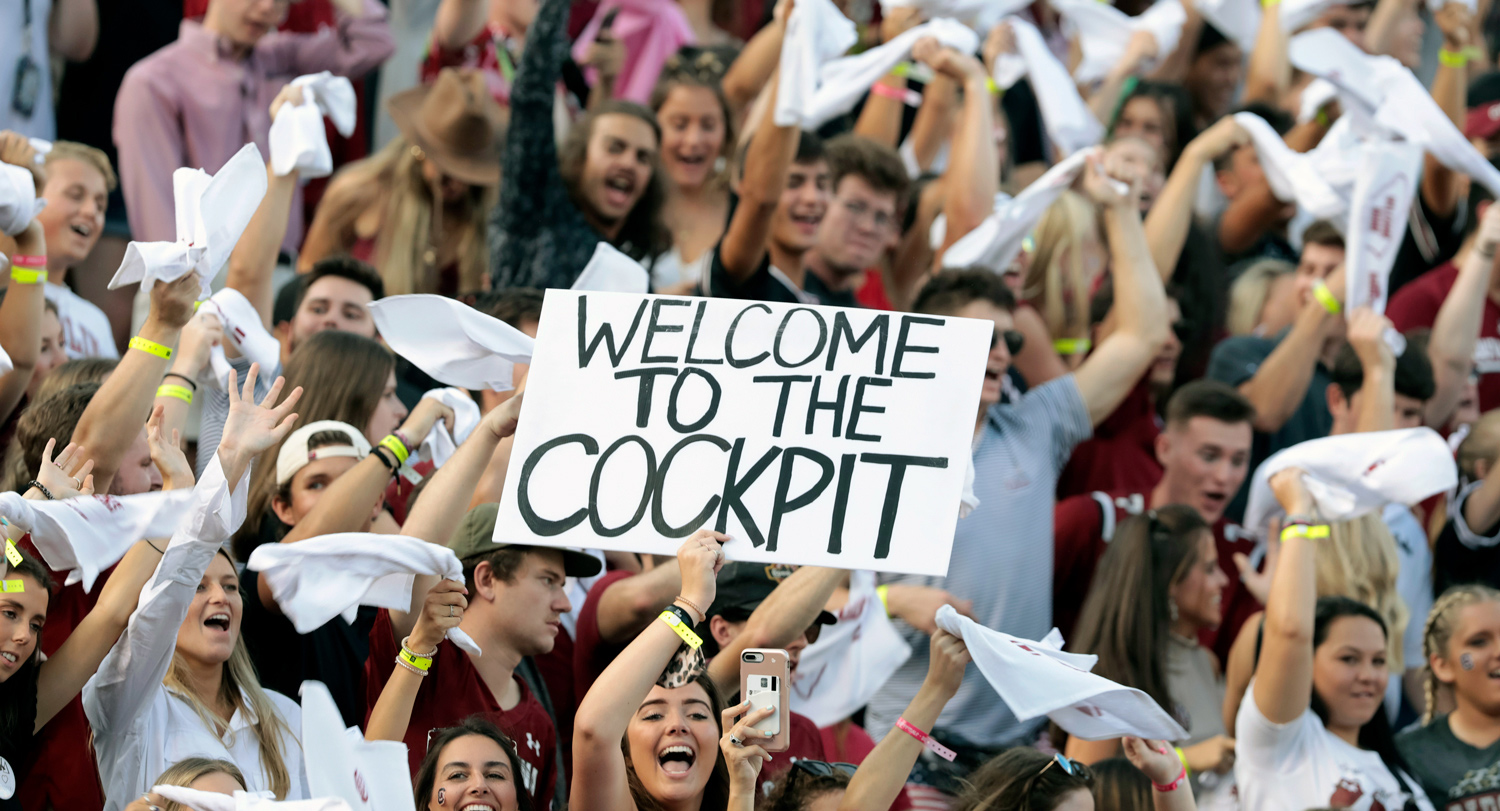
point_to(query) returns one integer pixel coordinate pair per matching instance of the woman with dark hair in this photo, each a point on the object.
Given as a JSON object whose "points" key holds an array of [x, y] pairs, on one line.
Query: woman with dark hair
{"points": [[1159, 113], [603, 185], [1026, 779], [1158, 585], [697, 138], [1311, 730], [645, 733], [464, 765]]}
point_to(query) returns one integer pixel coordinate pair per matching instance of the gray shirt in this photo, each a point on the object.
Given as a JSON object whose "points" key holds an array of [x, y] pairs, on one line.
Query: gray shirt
{"points": [[1002, 557], [216, 408]]}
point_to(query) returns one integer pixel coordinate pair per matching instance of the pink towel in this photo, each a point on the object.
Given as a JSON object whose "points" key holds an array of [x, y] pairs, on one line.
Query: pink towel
{"points": [[652, 31]]}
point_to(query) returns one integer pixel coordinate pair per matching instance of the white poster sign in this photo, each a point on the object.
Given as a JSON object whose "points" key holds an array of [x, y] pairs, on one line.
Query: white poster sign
{"points": [[811, 435]]}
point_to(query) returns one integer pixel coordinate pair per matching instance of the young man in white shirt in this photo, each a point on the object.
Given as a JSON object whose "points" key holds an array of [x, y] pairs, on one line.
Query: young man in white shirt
{"points": [[79, 180]]}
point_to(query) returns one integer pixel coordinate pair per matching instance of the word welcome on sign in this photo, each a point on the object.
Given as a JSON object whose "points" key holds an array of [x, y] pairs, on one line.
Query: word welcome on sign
{"points": [[815, 435]]}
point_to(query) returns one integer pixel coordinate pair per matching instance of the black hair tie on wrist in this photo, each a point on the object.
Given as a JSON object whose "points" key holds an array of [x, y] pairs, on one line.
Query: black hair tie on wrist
{"points": [[45, 491], [193, 384], [385, 456]]}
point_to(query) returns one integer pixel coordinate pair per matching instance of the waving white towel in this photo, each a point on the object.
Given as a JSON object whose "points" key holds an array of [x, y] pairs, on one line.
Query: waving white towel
{"points": [[1293, 176], [440, 445], [244, 801], [368, 775], [84, 536], [1035, 679], [1070, 123], [610, 271], [997, 240], [981, 15], [843, 82], [851, 660], [1104, 31], [244, 331], [298, 140], [452, 341], [1354, 474], [816, 32], [212, 212], [1317, 95], [1239, 20], [1377, 221], [318, 579], [19, 204]]}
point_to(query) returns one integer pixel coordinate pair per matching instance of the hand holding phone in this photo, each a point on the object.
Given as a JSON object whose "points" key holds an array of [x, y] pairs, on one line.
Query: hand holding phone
{"points": [[765, 681]]}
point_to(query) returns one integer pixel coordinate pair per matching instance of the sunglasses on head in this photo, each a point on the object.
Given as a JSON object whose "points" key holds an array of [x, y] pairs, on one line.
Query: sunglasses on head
{"points": [[1072, 767], [819, 768], [437, 732]]}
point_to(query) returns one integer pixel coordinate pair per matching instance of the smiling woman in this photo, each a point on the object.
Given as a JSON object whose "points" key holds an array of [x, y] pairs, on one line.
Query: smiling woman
{"points": [[470, 767]]}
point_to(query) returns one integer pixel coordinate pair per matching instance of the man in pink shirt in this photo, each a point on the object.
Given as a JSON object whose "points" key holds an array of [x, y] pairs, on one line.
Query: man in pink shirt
{"points": [[197, 101]]}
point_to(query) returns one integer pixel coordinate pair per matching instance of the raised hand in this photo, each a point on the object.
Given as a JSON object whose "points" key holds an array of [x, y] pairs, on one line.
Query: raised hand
{"points": [[68, 475], [1291, 492], [502, 419], [700, 558], [251, 429], [948, 656], [1219, 139], [744, 757], [289, 94], [203, 332], [176, 473], [1001, 40], [917, 606], [1099, 179], [421, 419], [16, 150], [1366, 334], [444, 609], [1213, 755], [172, 302], [1155, 759], [1453, 20]]}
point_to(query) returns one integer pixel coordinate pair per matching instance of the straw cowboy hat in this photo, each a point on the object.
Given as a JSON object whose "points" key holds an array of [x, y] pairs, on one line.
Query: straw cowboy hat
{"points": [[456, 123]]}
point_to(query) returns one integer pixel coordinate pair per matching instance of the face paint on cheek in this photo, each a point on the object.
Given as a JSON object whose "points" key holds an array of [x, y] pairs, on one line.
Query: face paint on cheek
{"points": [[441, 794], [1466, 661]]}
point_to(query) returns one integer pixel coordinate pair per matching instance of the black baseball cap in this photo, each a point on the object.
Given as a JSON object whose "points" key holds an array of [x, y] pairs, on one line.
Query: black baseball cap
{"points": [[743, 586], [476, 536]]}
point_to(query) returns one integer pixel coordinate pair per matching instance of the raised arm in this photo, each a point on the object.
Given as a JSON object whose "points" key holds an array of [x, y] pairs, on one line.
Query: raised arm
{"points": [[1281, 381], [757, 61], [445, 500], [629, 604], [199, 336], [1455, 331], [1441, 186], [73, 30], [116, 414], [1172, 214], [883, 772], [767, 160], [1116, 365], [254, 257], [442, 608], [458, 22], [358, 41], [973, 163], [1283, 678], [1140, 50], [1252, 212], [1377, 400], [21, 315], [791, 608], [1381, 28], [604, 713], [532, 179], [1269, 74], [1159, 763]]}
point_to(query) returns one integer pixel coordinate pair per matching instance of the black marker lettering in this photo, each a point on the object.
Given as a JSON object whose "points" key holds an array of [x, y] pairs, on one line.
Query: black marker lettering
{"points": [[646, 487], [781, 333], [652, 328], [836, 405], [708, 413], [902, 347], [606, 333], [648, 385], [880, 325], [899, 464], [860, 407], [781, 506], [687, 357], [658, 517], [534, 522], [734, 491], [729, 340], [786, 382]]}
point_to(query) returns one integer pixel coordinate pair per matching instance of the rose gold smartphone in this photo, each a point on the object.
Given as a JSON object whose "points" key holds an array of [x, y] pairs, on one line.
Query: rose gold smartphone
{"points": [[765, 681]]}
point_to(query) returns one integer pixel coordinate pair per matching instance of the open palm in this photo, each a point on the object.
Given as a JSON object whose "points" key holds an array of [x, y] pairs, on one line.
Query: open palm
{"points": [[250, 428]]}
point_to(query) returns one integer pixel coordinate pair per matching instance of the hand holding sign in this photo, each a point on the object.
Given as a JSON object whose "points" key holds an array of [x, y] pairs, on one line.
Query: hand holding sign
{"points": [[700, 558]]}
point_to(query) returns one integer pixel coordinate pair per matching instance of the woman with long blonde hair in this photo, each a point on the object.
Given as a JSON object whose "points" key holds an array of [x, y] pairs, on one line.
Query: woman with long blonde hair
{"points": [[201, 773], [418, 210], [1070, 255], [179, 682]]}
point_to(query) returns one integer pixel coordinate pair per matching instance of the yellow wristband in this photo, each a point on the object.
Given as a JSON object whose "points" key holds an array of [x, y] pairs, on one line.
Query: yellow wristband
{"points": [[1269, 3], [994, 87], [1322, 117], [22, 275], [1453, 59], [884, 593], [12, 554], [1072, 346], [394, 445], [1310, 531], [1326, 298], [13, 585], [145, 345], [182, 393], [676, 624], [422, 663], [1182, 757]]}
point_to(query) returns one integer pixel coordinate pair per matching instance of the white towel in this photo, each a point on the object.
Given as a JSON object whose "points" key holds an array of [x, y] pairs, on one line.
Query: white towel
{"points": [[84, 536], [851, 660], [19, 204], [843, 82], [440, 445], [1239, 20], [967, 501], [318, 579], [244, 331], [610, 271], [452, 341], [1293, 176], [1298, 14], [368, 775], [1318, 93], [1104, 31], [997, 240], [1377, 221], [298, 139], [1070, 123], [212, 212], [1385, 102], [1435, 6], [244, 801], [1354, 474], [981, 15], [816, 32], [1037, 678]]}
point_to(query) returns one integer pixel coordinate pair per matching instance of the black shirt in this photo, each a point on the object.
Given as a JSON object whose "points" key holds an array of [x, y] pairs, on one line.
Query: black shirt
{"points": [[334, 653], [769, 284], [1456, 562], [1455, 775]]}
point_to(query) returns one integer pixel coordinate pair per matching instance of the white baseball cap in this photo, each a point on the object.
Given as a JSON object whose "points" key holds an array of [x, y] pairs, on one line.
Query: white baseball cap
{"points": [[295, 455]]}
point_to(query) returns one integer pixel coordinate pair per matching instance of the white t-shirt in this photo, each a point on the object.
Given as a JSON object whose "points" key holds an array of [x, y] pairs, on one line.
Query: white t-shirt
{"points": [[1301, 764], [84, 325]]}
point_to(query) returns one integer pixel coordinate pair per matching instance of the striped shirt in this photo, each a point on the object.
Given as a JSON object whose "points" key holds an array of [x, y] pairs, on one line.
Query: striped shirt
{"points": [[1002, 558], [216, 407]]}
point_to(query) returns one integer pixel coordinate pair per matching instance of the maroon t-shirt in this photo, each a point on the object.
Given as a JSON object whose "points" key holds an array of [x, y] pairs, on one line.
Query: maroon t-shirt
{"points": [[1121, 455], [1416, 306], [805, 743], [591, 653], [454, 691], [1083, 527]]}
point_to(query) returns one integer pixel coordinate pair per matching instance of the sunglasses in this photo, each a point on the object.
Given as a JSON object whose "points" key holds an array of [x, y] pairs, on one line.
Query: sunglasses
{"points": [[437, 732], [1014, 340], [1067, 764], [819, 768]]}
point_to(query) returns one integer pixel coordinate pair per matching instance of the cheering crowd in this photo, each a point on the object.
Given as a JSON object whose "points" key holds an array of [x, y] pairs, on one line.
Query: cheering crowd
{"points": [[1237, 439]]}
